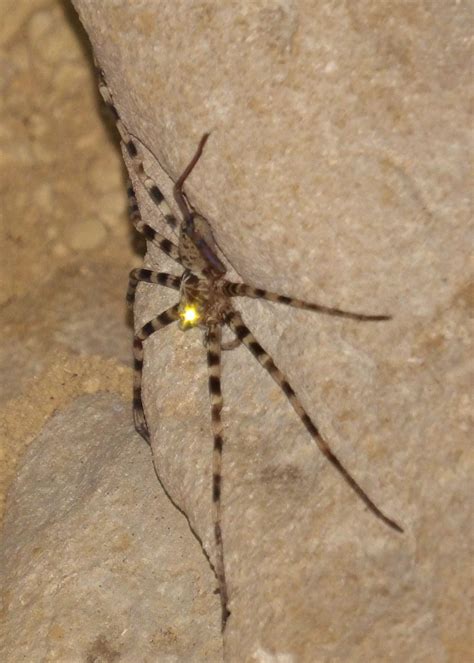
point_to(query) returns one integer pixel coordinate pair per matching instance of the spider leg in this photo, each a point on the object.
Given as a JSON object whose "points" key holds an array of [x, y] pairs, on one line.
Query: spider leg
{"points": [[192, 234], [178, 187], [148, 276], [150, 233], [236, 323], [244, 290], [214, 371], [131, 147], [162, 320]]}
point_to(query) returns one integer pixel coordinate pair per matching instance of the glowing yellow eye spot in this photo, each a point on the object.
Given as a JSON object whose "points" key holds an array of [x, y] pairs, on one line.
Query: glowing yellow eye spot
{"points": [[190, 314]]}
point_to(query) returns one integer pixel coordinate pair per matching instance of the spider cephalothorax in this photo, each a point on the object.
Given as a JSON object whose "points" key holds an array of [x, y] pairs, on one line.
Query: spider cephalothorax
{"points": [[205, 301]]}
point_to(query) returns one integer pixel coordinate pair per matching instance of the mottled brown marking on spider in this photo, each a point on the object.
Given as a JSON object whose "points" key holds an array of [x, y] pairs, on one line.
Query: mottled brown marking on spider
{"points": [[205, 300]]}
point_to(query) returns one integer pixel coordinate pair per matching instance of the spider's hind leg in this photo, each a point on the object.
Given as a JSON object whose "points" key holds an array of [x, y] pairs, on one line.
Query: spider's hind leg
{"points": [[236, 323], [214, 371]]}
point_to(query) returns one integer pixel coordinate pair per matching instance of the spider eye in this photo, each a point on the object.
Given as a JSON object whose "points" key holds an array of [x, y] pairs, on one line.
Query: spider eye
{"points": [[190, 315]]}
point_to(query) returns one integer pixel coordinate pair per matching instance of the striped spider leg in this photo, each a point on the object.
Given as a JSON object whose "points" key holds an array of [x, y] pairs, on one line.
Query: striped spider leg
{"points": [[206, 301]]}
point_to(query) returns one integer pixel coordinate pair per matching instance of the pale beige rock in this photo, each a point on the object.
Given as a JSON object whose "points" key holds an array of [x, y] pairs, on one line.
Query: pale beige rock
{"points": [[87, 235], [337, 170], [92, 558], [62, 311], [66, 332]]}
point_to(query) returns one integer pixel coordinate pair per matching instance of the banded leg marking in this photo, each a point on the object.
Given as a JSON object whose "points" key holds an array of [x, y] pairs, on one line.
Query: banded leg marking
{"points": [[237, 324], [215, 396], [148, 276], [244, 290], [162, 320], [150, 233], [131, 147]]}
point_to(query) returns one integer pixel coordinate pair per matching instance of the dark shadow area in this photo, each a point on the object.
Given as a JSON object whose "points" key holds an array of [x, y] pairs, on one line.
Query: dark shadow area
{"points": [[137, 241]]}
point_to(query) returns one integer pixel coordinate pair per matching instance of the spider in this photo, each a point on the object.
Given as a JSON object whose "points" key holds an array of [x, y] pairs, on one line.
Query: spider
{"points": [[206, 301]]}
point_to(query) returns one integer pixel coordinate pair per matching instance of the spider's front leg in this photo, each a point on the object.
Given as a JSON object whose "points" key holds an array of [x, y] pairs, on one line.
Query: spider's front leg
{"points": [[244, 290], [236, 323], [213, 342], [162, 320]]}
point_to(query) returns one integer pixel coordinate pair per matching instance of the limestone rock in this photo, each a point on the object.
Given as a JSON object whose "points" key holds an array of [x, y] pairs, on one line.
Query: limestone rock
{"points": [[337, 170], [97, 564]]}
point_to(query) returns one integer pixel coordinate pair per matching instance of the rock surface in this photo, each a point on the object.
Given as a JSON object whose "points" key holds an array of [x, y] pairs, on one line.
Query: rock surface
{"points": [[92, 557], [62, 311], [337, 170], [66, 249]]}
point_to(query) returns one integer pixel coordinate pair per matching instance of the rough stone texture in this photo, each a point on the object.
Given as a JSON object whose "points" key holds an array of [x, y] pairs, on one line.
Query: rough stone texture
{"points": [[93, 563], [66, 248], [337, 170], [62, 312]]}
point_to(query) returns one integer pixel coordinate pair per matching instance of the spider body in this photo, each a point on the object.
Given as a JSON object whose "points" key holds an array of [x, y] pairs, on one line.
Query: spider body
{"points": [[205, 300], [205, 297]]}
